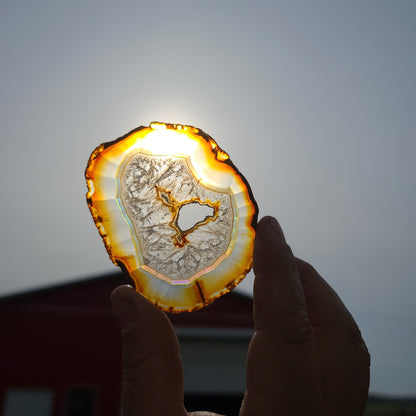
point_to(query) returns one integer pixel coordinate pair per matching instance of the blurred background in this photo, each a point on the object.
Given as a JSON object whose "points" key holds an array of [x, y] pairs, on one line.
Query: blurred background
{"points": [[313, 100]]}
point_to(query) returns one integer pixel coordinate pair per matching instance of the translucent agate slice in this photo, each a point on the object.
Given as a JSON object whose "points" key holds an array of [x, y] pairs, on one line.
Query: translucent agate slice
{"points": [[139, 188]]}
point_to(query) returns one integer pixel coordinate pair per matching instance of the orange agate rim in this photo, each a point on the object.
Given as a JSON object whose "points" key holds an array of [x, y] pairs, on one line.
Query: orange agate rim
{"points": [[103, 199]]}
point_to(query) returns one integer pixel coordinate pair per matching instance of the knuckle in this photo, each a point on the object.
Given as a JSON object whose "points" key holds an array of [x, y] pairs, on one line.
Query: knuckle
{"points": [[295, 327], [305, 267], [350, 328], [135, 367], [352, 334]]}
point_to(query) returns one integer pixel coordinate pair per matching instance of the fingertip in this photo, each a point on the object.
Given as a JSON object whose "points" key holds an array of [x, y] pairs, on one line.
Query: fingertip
{"points": [[121, 292], [120, 295], [270, 225], [268, 243], [126, 304]]}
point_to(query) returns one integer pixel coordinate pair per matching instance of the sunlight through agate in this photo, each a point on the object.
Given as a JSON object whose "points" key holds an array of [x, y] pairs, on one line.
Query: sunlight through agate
{"points": [[140, 188]]}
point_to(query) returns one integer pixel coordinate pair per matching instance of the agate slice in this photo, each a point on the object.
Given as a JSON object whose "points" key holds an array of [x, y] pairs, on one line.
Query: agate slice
{"points": [[139, 188]]}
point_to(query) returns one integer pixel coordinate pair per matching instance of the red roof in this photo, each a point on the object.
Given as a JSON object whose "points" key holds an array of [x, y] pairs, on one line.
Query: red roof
{"points": [[92, 296]]}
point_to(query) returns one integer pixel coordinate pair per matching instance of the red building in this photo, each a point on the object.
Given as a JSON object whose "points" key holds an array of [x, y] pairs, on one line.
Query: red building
{"points": [[61, 351]]}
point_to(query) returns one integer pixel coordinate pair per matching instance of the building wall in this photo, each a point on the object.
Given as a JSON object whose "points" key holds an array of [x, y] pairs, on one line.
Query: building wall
{"points": [[61, 353], [214, 360], [60, 350]]}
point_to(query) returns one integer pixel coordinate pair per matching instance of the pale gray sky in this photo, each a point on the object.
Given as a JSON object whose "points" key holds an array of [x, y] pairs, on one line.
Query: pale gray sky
{"points": [[313, 100]]}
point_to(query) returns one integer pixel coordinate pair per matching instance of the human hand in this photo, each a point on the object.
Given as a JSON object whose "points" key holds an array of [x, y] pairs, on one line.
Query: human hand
{"points": [[306, 357]]}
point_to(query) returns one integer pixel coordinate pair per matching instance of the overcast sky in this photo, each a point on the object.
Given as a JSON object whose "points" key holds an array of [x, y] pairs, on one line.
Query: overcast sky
{"points": [[313, 100]]}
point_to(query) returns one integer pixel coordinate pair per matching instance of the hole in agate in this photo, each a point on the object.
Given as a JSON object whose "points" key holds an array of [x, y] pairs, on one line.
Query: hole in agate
{"points": [[193, 214], [174, 206]]}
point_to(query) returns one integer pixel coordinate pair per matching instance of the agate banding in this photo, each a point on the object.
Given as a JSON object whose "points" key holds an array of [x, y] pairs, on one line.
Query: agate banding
{"points": [[137, 186]]}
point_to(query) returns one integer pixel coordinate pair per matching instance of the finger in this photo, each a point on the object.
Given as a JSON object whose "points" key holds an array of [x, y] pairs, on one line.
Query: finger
{"points": [[323, 304], [327, 312], [343, 357], [152, 366], [277, 288], [282, 374]]}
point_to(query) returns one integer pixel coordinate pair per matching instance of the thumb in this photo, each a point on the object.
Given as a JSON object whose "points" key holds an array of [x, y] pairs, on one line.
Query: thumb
{"points": [[152, 365]]}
